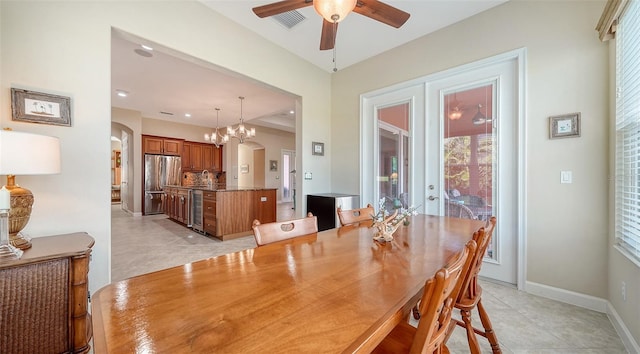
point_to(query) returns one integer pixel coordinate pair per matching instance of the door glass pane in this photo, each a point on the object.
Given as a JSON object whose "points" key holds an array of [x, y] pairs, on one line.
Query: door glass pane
{"points": [[469, 154], [393, 164], [286, 186]]}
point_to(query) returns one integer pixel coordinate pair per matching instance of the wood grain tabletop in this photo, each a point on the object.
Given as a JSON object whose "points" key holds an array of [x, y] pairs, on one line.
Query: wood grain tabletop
{"points": [[331, 292]]}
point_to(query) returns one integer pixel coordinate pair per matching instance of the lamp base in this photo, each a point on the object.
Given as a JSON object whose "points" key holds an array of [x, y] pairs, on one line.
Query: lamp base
{"points": [[19, 214], [20, 241]]}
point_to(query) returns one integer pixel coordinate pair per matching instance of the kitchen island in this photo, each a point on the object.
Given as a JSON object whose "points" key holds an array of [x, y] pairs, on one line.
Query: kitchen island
{"points": [[223, 213]]}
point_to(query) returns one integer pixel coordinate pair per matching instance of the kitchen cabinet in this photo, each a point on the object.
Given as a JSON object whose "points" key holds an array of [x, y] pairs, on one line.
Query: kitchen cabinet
{"points": [[229, 213], [170, 195], [207, 157], [264, 205], [209, 212], [201, 156], [217, 159], [161, 146], [183, 206], [177, 204]]}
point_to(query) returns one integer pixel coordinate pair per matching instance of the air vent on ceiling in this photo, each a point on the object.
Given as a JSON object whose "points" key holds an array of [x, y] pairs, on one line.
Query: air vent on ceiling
{"points": [[289, 19], [167, 113]]}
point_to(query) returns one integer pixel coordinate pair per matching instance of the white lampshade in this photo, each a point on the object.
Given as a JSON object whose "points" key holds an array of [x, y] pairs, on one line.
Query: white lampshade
{"points": [[28, 154], [334, 10]]}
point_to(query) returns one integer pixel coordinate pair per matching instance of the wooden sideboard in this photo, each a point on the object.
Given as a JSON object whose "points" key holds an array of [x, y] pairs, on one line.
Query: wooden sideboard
{"points": [[44, 298]]}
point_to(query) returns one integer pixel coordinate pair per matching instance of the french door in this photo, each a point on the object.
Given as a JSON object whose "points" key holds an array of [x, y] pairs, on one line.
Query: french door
{"points": [[464, 147]]}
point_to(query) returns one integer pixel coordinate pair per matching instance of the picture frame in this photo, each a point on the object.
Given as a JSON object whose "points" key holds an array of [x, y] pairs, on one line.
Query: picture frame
{"points": [[244, 168], [317, 148], [564, 126], [38, 107], [273, 165]]}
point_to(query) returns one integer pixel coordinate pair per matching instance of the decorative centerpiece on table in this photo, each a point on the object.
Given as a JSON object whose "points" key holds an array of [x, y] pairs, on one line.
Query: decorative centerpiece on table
{"points": [[385, 224]]}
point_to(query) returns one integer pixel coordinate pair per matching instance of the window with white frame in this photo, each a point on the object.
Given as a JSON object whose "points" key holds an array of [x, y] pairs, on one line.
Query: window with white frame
{"points": [[627, 192]]}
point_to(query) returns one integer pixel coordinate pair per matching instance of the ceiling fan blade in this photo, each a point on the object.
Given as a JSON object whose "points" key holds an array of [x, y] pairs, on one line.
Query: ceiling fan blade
{"points": [[280, 7], [329, 31], [382, 12]]}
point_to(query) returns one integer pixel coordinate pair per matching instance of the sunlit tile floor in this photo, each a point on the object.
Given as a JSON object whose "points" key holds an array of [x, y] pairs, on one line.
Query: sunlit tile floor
{"points": [[523, 323]]}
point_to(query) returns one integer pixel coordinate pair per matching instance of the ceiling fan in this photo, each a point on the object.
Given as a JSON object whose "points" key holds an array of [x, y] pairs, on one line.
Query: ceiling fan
{"points": [[334, 11]]}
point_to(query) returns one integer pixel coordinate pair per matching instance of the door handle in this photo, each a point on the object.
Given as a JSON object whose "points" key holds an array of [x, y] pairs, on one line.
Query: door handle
{"points": [[433, 198]]}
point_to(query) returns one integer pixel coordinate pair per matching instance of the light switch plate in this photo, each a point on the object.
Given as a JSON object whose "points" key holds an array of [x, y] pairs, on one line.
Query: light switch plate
{"points": [[307, 175], [566, 177]]}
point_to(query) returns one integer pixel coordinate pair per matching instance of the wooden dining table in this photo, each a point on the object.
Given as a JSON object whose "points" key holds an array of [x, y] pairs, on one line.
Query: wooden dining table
{"points": [[337, 291]]}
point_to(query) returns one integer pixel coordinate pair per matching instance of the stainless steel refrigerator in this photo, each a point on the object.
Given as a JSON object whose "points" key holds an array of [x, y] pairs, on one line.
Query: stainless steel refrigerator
{"points": [[159, 171]]}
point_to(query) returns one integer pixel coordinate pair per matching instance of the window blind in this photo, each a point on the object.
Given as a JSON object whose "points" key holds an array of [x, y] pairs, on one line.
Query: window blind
{"points": [[628, 129]]}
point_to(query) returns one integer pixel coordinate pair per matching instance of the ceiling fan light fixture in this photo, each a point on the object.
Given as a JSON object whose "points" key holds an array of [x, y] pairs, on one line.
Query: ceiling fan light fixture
{"points": [[334, 10]]}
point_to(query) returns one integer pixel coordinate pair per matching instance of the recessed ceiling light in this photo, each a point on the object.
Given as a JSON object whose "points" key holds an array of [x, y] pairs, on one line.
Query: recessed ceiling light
{"points": [[291, 111], [146, 47], [188, 115], [122, 93]]}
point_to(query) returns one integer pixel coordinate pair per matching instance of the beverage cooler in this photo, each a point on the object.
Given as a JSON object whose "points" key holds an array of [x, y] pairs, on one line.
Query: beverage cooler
{"points": [[325, 206]]}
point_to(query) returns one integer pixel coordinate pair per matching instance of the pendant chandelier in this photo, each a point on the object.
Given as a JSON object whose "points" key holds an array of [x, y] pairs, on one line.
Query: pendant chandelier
{"points": [[455, 112], [216, 138], [240, 132]]}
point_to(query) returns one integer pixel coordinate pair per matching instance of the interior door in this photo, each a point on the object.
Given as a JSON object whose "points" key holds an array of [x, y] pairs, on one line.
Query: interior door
{"points": [[471, 155]]}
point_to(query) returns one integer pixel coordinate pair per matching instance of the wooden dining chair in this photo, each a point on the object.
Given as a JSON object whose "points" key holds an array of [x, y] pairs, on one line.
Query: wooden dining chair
{"points": [[284, 230], [353, 216], [470, 297], [435, 308]]}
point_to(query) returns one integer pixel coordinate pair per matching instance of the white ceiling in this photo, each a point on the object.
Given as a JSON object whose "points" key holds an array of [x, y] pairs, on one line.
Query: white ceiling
{"points": [[358, 37], [169, 81]]}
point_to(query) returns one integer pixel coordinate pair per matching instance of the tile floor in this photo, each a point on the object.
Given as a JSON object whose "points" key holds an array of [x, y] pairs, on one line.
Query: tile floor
{"points": [[523, 323]]}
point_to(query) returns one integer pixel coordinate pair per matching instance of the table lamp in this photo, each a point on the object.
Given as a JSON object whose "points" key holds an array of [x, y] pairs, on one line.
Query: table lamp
{"points": [[25, 154]]}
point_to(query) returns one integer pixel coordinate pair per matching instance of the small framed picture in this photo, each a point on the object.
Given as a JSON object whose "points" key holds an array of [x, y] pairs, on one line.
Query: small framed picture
{"points": [[564, 126], [37, 107], [317, 148], [273, 165], [244, 168]]}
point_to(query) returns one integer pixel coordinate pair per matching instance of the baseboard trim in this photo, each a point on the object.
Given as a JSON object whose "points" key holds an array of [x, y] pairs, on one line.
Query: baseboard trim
{"points": [[588, 302], [627, 339], [567, 296]]}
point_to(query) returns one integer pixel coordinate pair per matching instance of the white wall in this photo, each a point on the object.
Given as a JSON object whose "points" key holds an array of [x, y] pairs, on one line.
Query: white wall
{"points": [[245, 157], [67, 51], [570, 227]]}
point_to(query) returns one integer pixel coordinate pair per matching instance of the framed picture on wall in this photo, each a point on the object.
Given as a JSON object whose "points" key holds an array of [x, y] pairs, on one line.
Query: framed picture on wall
{"points": [[38, 107], [273, 165], [317, 148], [564, 126]]}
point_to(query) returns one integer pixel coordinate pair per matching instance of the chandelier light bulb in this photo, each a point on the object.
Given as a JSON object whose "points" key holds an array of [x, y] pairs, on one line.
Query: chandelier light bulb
{"points": [[215, 137], [241, 132], [334, 10]]}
